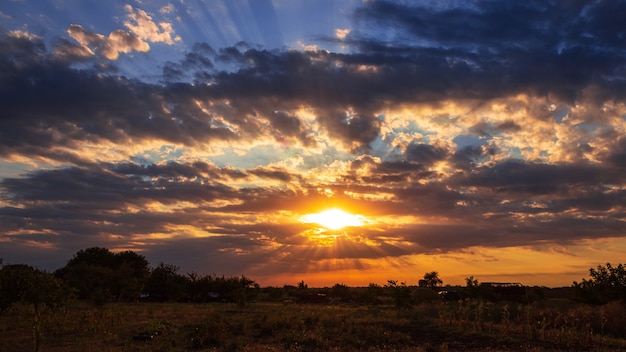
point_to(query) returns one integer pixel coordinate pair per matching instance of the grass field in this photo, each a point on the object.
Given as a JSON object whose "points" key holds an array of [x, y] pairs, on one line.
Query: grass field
{"points": [[263, 326]]}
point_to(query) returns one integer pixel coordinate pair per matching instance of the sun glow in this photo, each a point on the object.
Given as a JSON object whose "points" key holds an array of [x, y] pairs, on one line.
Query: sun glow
{"points": [[334, 219]]}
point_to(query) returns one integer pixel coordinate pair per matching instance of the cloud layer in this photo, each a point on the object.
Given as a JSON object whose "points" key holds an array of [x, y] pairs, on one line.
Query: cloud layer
{"points": [[490, 125]]}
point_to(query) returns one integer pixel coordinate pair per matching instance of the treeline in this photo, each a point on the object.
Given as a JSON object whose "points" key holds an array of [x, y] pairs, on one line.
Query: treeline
{"points": [[607, 283], [98, 275]]}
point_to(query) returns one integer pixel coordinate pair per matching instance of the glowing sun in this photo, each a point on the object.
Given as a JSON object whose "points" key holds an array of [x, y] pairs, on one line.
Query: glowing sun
{"points": [[334, 219]]}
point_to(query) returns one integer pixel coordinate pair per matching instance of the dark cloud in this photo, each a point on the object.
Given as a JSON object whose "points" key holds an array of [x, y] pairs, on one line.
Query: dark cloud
{"points": [[289, 126], [495, 50], [512, 176], [617, 156], [467, 157], [425, 153], [437, 238], [489, 129], [273, 173], [197, 64], [536, 46], [49, 105], [345, 89]]}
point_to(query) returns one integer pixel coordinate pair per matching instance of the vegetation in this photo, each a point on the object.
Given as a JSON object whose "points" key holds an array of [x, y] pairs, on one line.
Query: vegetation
{"points": [[38, 293], [279, 326], [607, 283], [432, 279], [129, 306], [100, 275]]}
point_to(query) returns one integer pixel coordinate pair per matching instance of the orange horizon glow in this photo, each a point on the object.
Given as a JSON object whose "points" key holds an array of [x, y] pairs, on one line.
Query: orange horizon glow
{"points": [[486, 264]]}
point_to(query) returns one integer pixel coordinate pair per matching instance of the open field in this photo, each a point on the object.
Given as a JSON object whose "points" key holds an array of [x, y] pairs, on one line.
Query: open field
{"points": [[283, 326]]}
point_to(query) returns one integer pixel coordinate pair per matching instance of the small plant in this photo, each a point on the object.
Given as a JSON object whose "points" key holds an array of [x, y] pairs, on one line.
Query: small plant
{"points": [[506, 318]]}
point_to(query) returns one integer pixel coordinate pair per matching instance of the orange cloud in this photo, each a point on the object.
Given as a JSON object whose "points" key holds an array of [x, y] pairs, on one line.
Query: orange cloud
{"points": [[142, 31]]}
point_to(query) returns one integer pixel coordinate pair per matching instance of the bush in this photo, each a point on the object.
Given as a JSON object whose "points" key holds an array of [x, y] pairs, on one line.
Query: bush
{"points": [[40, 291], [607, 284], [400, 293], [23, 283], [99, 275]]}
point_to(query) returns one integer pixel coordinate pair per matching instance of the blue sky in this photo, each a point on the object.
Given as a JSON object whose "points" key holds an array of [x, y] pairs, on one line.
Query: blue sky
{"points": [[480, 138]]}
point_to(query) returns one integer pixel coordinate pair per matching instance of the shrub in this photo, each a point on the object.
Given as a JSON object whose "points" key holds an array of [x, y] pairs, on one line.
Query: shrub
{"points": [[607, 283]]}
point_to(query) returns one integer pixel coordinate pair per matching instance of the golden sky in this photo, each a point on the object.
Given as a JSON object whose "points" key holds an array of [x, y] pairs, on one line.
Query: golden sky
{"points": [[485, 139]]}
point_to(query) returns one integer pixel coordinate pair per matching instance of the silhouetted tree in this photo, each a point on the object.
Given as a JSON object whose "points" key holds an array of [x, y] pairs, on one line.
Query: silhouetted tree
{"points": [[432, 279], [89, 272], [208, 288], [472, 288], [198, 287], [372, 293], [165, 283], [23, 283], [98, 274], [607, 283], [130, 275], [40, 290], [13, 282], [243, 289], [470, 282], [400, 293], [341, 292]]}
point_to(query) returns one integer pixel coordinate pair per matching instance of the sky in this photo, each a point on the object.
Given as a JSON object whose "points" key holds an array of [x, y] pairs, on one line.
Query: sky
{"points": [[472, 138]]}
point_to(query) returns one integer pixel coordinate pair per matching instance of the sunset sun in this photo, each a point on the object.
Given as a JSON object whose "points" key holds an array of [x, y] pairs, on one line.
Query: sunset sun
{"points": [[334, 219]]}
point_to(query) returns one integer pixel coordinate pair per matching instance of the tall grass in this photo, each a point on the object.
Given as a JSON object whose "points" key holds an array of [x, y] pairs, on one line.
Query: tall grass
{"points": [[563, 323], [464, 325]]}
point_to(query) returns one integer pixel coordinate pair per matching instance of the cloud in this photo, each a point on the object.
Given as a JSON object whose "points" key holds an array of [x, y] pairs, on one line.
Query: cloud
{"points": [[141, 24], [22, 49], [141, 31], [110, 47], [169, 8], [342, 33], [487, 125], [515, 47]]}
